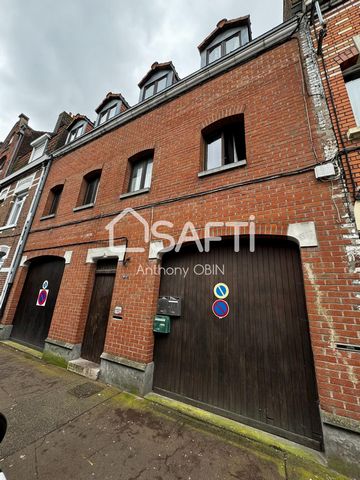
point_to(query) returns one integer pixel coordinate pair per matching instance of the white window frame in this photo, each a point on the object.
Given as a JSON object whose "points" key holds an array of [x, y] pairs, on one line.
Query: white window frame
{"points": [[18, 204], [4, 193], [3, 249], [39, 147], [352, 87], [104, 115], [76, 132], [24, 184]]}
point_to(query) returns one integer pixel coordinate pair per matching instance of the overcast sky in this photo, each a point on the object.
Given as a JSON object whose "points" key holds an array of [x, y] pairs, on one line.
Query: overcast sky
{"points": [[66, 55]]}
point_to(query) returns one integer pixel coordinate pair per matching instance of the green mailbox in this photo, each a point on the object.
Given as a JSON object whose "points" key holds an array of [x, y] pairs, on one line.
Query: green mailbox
{"points": [[162, 324]]}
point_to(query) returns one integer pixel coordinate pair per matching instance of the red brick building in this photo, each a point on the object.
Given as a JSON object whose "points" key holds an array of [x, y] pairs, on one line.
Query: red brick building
{"points": [[237, 141], [335, 38], [24, 158]]}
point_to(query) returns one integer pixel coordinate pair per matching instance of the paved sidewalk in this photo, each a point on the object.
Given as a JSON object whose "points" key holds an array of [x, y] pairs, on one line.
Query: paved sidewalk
{"points": [[62, 426]]}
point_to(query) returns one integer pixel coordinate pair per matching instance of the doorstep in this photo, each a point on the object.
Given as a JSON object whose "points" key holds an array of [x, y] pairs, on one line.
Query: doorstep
{"points": [[85, 368], [23, 348]]}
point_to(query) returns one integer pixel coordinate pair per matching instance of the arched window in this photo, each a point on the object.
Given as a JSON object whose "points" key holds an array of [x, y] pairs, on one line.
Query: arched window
{"points": [[4, 252], [89, 188], [141, 171], [53, 200], [224, 143]]}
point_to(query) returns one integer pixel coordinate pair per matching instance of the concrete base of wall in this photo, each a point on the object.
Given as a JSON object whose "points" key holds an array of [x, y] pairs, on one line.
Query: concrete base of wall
{"points": [[131, 376], [5, 331], [85, 368], [62, 350], [342, 444]]}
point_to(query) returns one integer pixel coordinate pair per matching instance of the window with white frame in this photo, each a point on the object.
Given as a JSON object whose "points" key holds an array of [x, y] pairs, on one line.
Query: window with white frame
{"points": [[4, 251], [16, 210], [108, 113], [24, 184], [3, 193], [141, 171], [76, 132], [39, 147], [352, 81]]}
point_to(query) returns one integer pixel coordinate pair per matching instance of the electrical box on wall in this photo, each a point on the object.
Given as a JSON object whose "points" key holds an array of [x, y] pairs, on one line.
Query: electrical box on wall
{"points": [[162, 324], [325, 171], [169, 306]]}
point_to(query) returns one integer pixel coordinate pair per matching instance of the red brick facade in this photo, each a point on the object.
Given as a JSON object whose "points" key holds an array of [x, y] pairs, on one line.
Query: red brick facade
{"points": [[340, 53], [277, 186]]}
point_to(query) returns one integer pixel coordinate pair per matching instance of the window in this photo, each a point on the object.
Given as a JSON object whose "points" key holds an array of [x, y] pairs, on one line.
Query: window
{"points": [[224, 143], [39, 147], [4, 251], [3, 193], [76, 133], [89, 188], [108, 114], [352, 80], [53, 200], [141, 172], [16, 210], [24, 184], [155, 87], [226, 46], [38, 152]]}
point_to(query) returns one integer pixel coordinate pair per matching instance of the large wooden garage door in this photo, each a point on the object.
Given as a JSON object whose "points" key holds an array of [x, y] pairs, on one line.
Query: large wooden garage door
{"points": [[255, 365], [34, 312]]}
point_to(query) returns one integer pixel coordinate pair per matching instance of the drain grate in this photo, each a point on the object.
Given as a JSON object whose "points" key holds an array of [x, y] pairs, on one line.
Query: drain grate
{"points": [[85, 390]]}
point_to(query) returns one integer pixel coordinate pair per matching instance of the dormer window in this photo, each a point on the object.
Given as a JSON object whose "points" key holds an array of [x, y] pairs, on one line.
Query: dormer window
{"points": [[155, 87], [159, 77], [39, 147], [112, 105], [227, 37], [108, 113], [76, 132]]}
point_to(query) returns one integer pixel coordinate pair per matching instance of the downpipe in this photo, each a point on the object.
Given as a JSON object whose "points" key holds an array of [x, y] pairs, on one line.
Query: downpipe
{"points": [[23, 237]]}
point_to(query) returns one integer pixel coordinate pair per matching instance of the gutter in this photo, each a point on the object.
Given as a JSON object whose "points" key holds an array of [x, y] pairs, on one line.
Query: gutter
{"points": [[24, 235], [252, 49], [28, 168]]}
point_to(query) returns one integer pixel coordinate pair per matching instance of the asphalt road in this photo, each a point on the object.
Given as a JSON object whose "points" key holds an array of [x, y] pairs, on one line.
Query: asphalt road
{"points": [[62, 426]]}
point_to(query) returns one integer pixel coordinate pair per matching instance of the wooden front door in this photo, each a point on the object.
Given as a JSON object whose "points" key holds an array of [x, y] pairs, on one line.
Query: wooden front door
{"points": [[33, 314], [97, 321], [256, 364]]}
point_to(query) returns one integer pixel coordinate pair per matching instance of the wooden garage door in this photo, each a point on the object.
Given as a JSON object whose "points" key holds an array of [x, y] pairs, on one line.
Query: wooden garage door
{"points": [[32, 321], [256, 365]]}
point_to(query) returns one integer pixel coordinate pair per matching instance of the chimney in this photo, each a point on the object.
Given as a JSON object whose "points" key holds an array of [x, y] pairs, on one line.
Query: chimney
{"points": [[64, 118], [23, 119]]}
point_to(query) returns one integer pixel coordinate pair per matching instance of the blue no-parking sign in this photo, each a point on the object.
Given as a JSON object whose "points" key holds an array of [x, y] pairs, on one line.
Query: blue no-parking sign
{"points": [[42, 297], [220, 308], [221, 290]]}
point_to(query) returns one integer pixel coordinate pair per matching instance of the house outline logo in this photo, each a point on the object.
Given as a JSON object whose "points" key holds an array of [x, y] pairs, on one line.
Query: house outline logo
{"points": [[111, 227]]}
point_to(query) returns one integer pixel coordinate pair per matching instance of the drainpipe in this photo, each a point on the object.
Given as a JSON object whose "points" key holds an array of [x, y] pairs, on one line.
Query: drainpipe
{"points": [[24, 235]]}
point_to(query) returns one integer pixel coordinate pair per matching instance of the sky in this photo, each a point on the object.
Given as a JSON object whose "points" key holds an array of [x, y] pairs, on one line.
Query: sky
{"points": [[68, 54]]}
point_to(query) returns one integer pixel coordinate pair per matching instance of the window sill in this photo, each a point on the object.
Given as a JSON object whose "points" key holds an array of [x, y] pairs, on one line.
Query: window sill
{"points": [[224, 168], [6, 227], [133, 194], [47, 217], [354, 133], [83, 207]]}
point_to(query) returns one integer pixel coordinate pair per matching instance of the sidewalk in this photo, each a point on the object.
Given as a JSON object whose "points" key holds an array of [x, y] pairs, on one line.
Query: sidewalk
{"points": [[63, 426]]}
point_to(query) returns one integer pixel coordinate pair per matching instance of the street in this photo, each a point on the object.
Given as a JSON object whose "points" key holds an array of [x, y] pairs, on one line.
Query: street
{"points": [[63, 426]]}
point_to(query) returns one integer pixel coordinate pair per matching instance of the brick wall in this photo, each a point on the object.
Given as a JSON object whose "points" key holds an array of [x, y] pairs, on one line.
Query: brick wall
{"points": [[340, 52], [281, 137]]}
